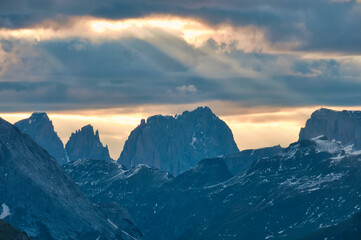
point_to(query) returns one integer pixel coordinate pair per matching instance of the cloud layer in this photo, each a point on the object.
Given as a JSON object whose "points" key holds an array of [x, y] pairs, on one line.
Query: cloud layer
{"points": [[57, 55]]}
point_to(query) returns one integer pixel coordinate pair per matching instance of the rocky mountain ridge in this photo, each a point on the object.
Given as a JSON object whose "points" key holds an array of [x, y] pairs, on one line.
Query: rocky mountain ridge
{"points": [[344, 126], [85, 144], [176, 144]]}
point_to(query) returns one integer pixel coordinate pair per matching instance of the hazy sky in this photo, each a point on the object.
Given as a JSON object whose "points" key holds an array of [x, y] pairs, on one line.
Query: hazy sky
{"points": [[263, 66]]}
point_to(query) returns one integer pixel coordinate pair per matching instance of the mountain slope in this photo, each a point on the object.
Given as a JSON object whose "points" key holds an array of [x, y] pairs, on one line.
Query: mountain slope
{"points": [[85, 144], [346, 230], [41, 129], [344, 126], [176, 144], [43, 201], [311, 184]]}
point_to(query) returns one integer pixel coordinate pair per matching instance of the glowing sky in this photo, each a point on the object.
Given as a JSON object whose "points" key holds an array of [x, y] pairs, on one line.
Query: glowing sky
{"points": [[262, 66]]}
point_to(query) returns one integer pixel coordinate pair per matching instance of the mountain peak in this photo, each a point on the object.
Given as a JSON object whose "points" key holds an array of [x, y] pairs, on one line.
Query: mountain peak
{"points": [[85, 144], [39, 115], [87, 128], [199, 111], [176, 144], [41, 129]]}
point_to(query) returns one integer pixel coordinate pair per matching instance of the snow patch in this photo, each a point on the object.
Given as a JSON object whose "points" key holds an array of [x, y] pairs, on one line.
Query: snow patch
{"points": [[5, 211], [111, 223], [194, 140], [324, 145], [128, 235], [312, 183]]}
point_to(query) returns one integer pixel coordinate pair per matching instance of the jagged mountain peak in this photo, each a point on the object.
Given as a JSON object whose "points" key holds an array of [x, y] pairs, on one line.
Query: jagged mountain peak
{"points": [[176, 144], [41, 129], [85, 144]]}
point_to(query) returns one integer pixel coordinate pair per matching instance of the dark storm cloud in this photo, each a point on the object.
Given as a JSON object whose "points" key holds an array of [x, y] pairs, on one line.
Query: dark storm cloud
{"points": [[323, 25]]}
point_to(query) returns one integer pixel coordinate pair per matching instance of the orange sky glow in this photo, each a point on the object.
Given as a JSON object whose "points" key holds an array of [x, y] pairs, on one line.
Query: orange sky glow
{"points": [[252, 128]]}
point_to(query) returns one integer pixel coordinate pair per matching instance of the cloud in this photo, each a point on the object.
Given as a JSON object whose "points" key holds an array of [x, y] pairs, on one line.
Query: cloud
{"points": [[55, 75], [315, 26], [253, 53]]}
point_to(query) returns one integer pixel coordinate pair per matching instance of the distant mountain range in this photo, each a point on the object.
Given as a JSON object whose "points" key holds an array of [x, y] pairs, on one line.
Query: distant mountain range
{"points": [[311, 184], [83, 144], [38, 197], [183, 177]]}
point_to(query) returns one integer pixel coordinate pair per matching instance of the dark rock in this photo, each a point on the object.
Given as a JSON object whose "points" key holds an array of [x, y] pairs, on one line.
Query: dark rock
{"points": [[42, 199], [208, 172], [349, 229], [240, 161], [176, 144], [344, 126], [8, 232], [41, 129], [85, 144]]}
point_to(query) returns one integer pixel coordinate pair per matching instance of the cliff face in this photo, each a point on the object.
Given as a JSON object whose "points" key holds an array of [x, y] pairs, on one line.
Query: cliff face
{"points": [[85, 144], [41, 129], [176, 144], [344, 126], [240, 161]]}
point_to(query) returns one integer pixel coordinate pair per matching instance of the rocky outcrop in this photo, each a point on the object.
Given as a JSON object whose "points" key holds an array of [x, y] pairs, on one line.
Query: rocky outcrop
{"points": [[85, 144], [176, 144], [240, 161], [344, 126], [8, 232], [41, 129], [38, 197]]}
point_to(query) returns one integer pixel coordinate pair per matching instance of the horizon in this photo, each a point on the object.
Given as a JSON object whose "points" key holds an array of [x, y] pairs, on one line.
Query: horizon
{"points": [[114, 129]]}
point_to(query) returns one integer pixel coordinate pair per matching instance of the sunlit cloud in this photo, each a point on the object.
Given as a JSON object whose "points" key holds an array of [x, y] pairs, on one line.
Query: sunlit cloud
{"points": [[194, 32]]}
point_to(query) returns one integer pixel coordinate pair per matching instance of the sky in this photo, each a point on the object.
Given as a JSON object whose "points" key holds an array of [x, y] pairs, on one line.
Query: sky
{"points": [[262, 66]]}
